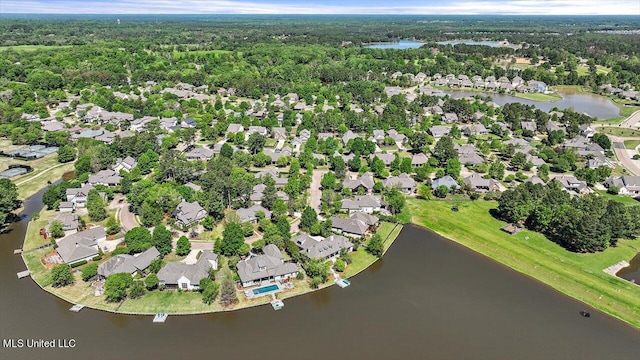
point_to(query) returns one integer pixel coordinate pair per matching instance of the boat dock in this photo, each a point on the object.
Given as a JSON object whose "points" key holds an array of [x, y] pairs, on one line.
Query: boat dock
{"points": [[23, 274], [160, 317], [76, 308], [276, 303], [343, 283], [17, 251]]}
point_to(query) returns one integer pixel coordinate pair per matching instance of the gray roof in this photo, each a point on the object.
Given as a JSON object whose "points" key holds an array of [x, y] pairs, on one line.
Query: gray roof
{"points": [[403, 181], [80, 245], [360, 202], [476, 181], [107, 177], [125, 263], [447, 181], [173, 271], [439, 131], [188, 213], [324, 248], [249, 214], [365, 180], [419, 159], [269, 264], [386, 158], [69, 221]]}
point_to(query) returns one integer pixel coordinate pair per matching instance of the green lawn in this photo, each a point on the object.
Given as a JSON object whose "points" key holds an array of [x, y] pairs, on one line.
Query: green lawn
{"points": [[539, 96], [631, 144], [45, 170], [362, 259], [623, 132], [627, 200], [577, 275], [34, 47], [583, 70], [270, 143]]}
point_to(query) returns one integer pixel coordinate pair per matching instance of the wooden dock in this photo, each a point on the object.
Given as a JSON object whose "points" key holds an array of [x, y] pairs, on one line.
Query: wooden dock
{"points": [[23, 274], [17, 251], [76, 308]]}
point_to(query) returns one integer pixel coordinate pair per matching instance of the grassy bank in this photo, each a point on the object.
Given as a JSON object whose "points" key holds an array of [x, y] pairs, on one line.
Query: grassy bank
{"points": [[627, 200], [362, 259], [539, 97], [577, 275], [622, 132], [631, 144], [33, 47]]}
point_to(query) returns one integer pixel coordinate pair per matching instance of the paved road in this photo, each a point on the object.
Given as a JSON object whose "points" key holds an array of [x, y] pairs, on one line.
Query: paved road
{"points": [[617, 143], [39, 174], [623, 155], [127, 218], [314, 189]]}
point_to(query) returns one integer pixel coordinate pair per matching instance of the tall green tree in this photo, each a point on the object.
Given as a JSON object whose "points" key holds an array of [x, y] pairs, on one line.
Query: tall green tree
{"points": [[161, 239], [9, 199]]}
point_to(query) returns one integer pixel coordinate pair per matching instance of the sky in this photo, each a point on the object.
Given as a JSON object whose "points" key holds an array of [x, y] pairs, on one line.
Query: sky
{"points": [[410, 7]]}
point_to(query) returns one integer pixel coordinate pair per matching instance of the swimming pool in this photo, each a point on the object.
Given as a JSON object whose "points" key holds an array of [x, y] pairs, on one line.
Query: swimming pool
{"points": [[265, 289]]}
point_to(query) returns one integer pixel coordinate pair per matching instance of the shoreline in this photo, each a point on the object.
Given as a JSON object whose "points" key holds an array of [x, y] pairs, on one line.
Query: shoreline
{"points": [[484, 248], [391, 237]]}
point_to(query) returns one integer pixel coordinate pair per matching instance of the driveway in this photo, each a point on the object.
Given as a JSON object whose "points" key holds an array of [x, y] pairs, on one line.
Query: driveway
{"points": [[126, 217], [196, 247], [315, 190], [623, 156]]}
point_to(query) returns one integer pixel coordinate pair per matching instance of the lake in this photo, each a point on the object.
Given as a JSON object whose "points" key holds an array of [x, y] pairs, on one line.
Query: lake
{"points": [[402, 44], [592, 104], [631, 272], [429, 298]]}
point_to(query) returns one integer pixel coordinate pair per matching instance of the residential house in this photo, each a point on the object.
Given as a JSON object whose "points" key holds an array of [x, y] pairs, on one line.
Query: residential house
{"points": [[529, 126], [304, 135], [255, 129], [365, 203], [364, 181], [69, 221], [251, 214], [479, 184], [187, 213], [439, 131], [447, 181], [587, 131], [199, 154], [267, 267], [105, 177], [234, 128], [399, 138], [66, 207], [387, 159], [403, 182], [600, 160], [179, 275], [193, 186], [78, 196], [450, 118], [125, 164], [552, 126], [474, 130], [419, 159], [627, 185], [82, 245], [273, 174], [279, 133], [520, 145], [571, 184], [130, 264], [348, 136], [325, 249], [355, 226]]}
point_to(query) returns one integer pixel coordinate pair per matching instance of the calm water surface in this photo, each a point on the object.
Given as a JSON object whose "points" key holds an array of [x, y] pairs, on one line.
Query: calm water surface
{"points": [[631, 272], [428, 299], [402, 44], [594, 105]]}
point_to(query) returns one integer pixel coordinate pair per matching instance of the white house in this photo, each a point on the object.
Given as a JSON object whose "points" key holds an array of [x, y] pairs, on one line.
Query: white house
{"points": [[178, 275]]}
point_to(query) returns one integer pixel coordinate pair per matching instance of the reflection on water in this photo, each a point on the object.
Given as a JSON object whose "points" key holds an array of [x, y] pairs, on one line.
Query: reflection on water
{"points": [[631, 272], [594, 105]]}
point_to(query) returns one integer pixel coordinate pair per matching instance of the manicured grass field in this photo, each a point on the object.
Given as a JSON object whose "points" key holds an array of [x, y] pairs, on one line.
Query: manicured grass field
{"points": [[577, 275], [34, 47], [539, 96], [623, 132], [362, 259], [45, 170], [627, 200], [631, 144]]}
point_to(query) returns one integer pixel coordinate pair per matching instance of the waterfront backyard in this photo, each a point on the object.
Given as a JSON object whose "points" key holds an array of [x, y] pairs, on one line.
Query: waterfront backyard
{"points": [[580, 276]]}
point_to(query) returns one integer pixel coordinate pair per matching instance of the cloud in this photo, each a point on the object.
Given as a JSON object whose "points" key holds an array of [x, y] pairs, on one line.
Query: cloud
{"points": [[507, 7]]}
